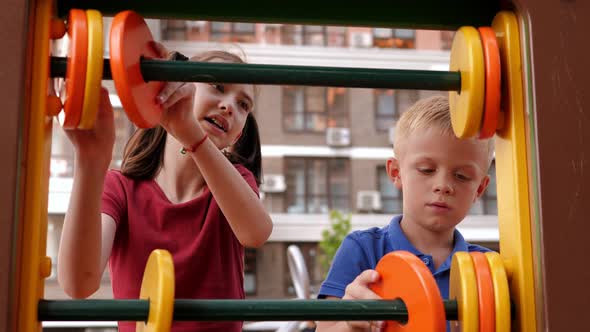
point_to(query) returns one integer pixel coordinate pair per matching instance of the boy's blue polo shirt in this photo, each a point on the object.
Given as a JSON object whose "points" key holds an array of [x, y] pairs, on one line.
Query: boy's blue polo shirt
{"points": [[362, 250]]}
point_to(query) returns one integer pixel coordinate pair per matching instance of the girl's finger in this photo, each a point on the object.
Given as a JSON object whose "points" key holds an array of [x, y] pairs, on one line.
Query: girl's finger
{"points": [[168, 90], [160, 49], [184, 91]]}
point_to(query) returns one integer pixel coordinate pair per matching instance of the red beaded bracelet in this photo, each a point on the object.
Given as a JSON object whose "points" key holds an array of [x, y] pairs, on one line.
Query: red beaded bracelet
{"points": [[195, 146]]}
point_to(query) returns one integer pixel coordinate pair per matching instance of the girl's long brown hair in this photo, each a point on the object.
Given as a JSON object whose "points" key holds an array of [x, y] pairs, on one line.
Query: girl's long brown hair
{"points": [[144, 152]]}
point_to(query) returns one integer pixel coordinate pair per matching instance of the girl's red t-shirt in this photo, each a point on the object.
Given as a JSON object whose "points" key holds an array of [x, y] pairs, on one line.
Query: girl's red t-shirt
{"points": [[208, 258]]}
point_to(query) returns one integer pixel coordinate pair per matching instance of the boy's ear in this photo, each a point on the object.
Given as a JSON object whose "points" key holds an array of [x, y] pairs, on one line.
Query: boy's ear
{"points": [[482, 187], [393, 170]]}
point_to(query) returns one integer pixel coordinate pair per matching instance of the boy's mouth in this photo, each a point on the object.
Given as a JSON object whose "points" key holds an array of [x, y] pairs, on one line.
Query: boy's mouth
{"points": [[439, 205]]}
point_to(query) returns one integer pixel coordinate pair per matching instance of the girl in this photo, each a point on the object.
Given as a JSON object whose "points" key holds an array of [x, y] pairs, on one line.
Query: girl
{"points": [[177, 190]]}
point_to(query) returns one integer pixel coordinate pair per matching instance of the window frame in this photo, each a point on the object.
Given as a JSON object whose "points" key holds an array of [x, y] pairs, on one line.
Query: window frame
{"points": [[232, 35], [291, 196], [385, 42], [327, 112]]}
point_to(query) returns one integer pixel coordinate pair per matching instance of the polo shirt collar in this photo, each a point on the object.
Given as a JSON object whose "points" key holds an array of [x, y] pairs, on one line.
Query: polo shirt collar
{"points": [[399, 241]]}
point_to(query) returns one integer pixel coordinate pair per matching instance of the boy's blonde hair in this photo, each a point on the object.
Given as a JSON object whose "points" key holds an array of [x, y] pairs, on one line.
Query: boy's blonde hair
{"points": [[432, 112]]}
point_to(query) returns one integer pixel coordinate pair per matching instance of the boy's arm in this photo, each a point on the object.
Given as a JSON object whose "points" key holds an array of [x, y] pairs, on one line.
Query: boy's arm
{"points": [[325, 326], [357, 290]]}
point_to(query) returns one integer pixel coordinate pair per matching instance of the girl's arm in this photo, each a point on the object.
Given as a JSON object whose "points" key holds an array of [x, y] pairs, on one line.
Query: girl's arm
{"points": [[239, 203], [86, 239], [87, 236]]}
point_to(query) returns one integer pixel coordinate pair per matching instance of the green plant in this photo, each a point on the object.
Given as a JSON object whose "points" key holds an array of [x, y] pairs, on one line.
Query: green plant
{"points": [[340, 226]]}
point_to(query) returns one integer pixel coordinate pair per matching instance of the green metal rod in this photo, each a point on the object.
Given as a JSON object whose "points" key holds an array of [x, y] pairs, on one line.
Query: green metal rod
{"points": [[415, 14], [189, 71], [232, 310]]}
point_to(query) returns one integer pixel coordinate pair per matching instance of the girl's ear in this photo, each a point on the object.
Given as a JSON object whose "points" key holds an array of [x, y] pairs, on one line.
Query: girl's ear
{"points": [[393, 171]]}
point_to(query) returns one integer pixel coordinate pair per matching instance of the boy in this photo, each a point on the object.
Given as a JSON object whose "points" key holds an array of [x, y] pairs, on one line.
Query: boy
{"points": [[440, 177]]}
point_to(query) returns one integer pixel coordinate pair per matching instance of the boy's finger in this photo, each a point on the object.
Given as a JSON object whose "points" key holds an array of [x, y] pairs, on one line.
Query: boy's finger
{"points": [[359, 325], [361, 292], [367, 277]]}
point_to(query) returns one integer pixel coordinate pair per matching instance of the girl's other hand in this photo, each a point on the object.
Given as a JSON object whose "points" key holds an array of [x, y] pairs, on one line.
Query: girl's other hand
{"points": [[95, 145]]}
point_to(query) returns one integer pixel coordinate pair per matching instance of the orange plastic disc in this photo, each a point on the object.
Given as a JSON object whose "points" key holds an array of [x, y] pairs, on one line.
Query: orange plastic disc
{"points": [[76, 69], [491, 55], [130, 40], [404, 276], [485, 292]]}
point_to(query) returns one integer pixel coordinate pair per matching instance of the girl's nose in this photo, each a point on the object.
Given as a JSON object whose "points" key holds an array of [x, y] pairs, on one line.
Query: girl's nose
{"points": [[226, 107]]}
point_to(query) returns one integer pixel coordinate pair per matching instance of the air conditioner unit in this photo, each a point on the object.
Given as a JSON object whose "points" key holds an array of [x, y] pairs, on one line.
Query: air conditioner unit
{"points": [[361, 39], [273, 183], [338, 136], [368, 200], [391, 134], [196, 24]]}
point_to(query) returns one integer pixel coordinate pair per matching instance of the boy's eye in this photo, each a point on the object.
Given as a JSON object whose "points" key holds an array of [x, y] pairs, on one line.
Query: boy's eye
{"points": [[462, 177], [425, 170]]}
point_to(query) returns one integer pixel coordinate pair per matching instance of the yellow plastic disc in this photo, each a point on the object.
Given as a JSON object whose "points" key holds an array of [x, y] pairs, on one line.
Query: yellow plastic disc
{"points": [[158, 287], [94, 68], [501, 292], [467, 105], [463, 289]]}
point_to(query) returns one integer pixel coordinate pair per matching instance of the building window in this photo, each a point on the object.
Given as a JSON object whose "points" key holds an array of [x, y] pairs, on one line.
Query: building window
{"points": [[386, 111], [390, 104], [313, 35], [250, 284], [317, 185], [391, 197], [447, 39], [313, 109], [174, 30], [123, 131], [233, 32], [394, 38], [488, 202]]}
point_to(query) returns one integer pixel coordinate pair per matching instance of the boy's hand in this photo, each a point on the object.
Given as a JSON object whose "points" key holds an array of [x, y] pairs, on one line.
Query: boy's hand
{"points": [[359, 290]]}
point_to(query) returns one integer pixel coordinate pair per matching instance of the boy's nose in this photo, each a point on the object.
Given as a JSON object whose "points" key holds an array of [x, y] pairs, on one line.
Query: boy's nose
{"points": [[443, 187]]}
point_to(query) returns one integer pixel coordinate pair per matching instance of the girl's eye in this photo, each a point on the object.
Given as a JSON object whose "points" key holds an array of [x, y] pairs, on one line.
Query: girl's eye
{"points": [[219, 87], [245, 106]]}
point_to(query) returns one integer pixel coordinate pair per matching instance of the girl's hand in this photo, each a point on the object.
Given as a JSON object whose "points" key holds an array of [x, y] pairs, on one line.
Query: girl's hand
{"points": [[95, 146], [176, 99], [359, 290]]}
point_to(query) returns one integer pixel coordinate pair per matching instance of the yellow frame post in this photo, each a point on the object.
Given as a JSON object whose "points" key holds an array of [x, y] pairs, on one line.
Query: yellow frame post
{"points": [[512, 177], [33, 264]]}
